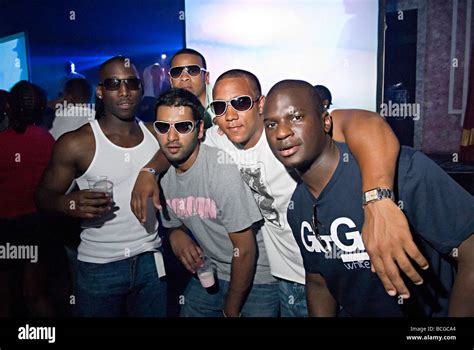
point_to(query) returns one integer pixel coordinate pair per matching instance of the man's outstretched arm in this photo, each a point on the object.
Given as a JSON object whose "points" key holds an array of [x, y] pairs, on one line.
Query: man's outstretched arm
{"points": [[386, 233], [146, 186]]}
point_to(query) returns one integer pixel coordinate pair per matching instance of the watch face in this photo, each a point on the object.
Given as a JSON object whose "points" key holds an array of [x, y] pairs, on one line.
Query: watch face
{"points": [[377, 194], [371, 195]]}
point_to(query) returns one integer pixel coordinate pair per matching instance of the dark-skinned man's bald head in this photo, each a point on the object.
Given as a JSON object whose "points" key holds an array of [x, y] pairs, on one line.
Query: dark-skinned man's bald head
{"points": [[119, 90], [124, 61], [296, 124], [301, 86]]}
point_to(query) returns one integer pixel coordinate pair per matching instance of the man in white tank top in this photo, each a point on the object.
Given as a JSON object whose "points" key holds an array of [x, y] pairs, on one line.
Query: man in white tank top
{"points": [[120, 263]]}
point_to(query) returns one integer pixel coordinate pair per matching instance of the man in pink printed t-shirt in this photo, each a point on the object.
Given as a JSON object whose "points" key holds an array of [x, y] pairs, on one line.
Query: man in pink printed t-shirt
{"points": [[208, 196]]}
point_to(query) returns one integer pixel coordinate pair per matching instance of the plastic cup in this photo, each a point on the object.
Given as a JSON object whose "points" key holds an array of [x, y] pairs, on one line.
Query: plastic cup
{"points": [[206, 273], [101, 184]]}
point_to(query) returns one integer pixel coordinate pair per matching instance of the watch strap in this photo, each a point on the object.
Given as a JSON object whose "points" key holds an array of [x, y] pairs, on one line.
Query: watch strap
{"points": [[377, 194]]}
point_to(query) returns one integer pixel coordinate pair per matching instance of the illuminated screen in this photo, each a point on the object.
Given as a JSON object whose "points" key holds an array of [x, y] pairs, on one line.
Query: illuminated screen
{"points": [[325, 42], [13, 60]]}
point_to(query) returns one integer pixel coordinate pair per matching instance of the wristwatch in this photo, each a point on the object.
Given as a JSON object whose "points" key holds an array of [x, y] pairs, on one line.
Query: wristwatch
{"points": [[377, 194]]}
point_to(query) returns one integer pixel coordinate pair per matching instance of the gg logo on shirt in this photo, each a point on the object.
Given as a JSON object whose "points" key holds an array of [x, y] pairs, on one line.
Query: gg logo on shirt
{"points": [[353, 252]]}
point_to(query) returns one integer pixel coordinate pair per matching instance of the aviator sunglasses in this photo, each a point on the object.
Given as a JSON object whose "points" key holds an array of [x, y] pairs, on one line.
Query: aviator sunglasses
{"points": [[193, 70], [239, 103], [184, 127]]}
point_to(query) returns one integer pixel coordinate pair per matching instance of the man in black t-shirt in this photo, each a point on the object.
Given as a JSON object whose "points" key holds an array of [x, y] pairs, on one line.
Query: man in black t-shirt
{"points": [[326, 217]]}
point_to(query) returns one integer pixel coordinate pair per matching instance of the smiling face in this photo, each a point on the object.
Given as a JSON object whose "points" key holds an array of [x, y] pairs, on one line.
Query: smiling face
{"points": [[242, 128], [296, 131], [181, 150], [121, 103], [195, 84]]}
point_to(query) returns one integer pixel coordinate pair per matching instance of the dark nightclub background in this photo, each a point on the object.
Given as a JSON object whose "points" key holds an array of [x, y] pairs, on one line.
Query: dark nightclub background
{"points": [[427, 45], [143, 30]]}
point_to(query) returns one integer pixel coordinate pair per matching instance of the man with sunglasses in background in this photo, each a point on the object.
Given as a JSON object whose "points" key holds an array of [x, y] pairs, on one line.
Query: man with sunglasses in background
{"points": [[189, 71], [120, 264], [238, 105], [207, 196], [327, 217]]}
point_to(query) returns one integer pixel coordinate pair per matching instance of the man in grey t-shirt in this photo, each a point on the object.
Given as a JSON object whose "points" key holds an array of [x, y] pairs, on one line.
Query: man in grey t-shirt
{"points": [[204, 193]]}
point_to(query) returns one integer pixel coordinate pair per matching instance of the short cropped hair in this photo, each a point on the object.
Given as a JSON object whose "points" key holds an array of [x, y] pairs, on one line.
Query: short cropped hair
{"points": [[190, 52], [181, 98]]}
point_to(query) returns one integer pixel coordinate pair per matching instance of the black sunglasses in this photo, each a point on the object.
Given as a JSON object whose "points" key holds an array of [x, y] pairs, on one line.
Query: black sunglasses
{"points": [[193, 70], [315, 227], [114, 84], [239, 103], [184, 127]]}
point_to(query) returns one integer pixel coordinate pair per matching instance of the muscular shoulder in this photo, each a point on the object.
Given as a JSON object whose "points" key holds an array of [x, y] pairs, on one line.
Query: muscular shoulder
{"points": [[76, 143]]}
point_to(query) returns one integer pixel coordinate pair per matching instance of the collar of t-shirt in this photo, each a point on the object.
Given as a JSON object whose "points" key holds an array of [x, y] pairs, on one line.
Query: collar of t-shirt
{"points": [[188, 173], [344, 157]]}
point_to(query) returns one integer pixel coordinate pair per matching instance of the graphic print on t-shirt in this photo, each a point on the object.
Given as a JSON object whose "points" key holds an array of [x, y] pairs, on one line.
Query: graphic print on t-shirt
{"points": [[344, 242], [254, 178], [190, 206]]}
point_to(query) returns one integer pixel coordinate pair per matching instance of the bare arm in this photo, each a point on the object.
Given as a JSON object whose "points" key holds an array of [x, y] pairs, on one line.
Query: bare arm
{"points": [[372, 142], [386, 233], [185, 249], [146, 186], [242, 271], [461, 303], [58, 176], [320, 301]]}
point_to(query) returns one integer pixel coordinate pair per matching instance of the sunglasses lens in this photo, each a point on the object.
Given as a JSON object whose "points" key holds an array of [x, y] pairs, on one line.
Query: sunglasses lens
{"points": [[112, 84], [194, 70], [175, 72], [133, 84], [184, 127], [161, 127], [218, 107], [241, 103]]}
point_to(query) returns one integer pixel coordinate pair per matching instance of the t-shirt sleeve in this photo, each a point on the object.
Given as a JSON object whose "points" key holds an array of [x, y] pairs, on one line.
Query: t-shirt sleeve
{"points": [[236, 207], [439, 209]]}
